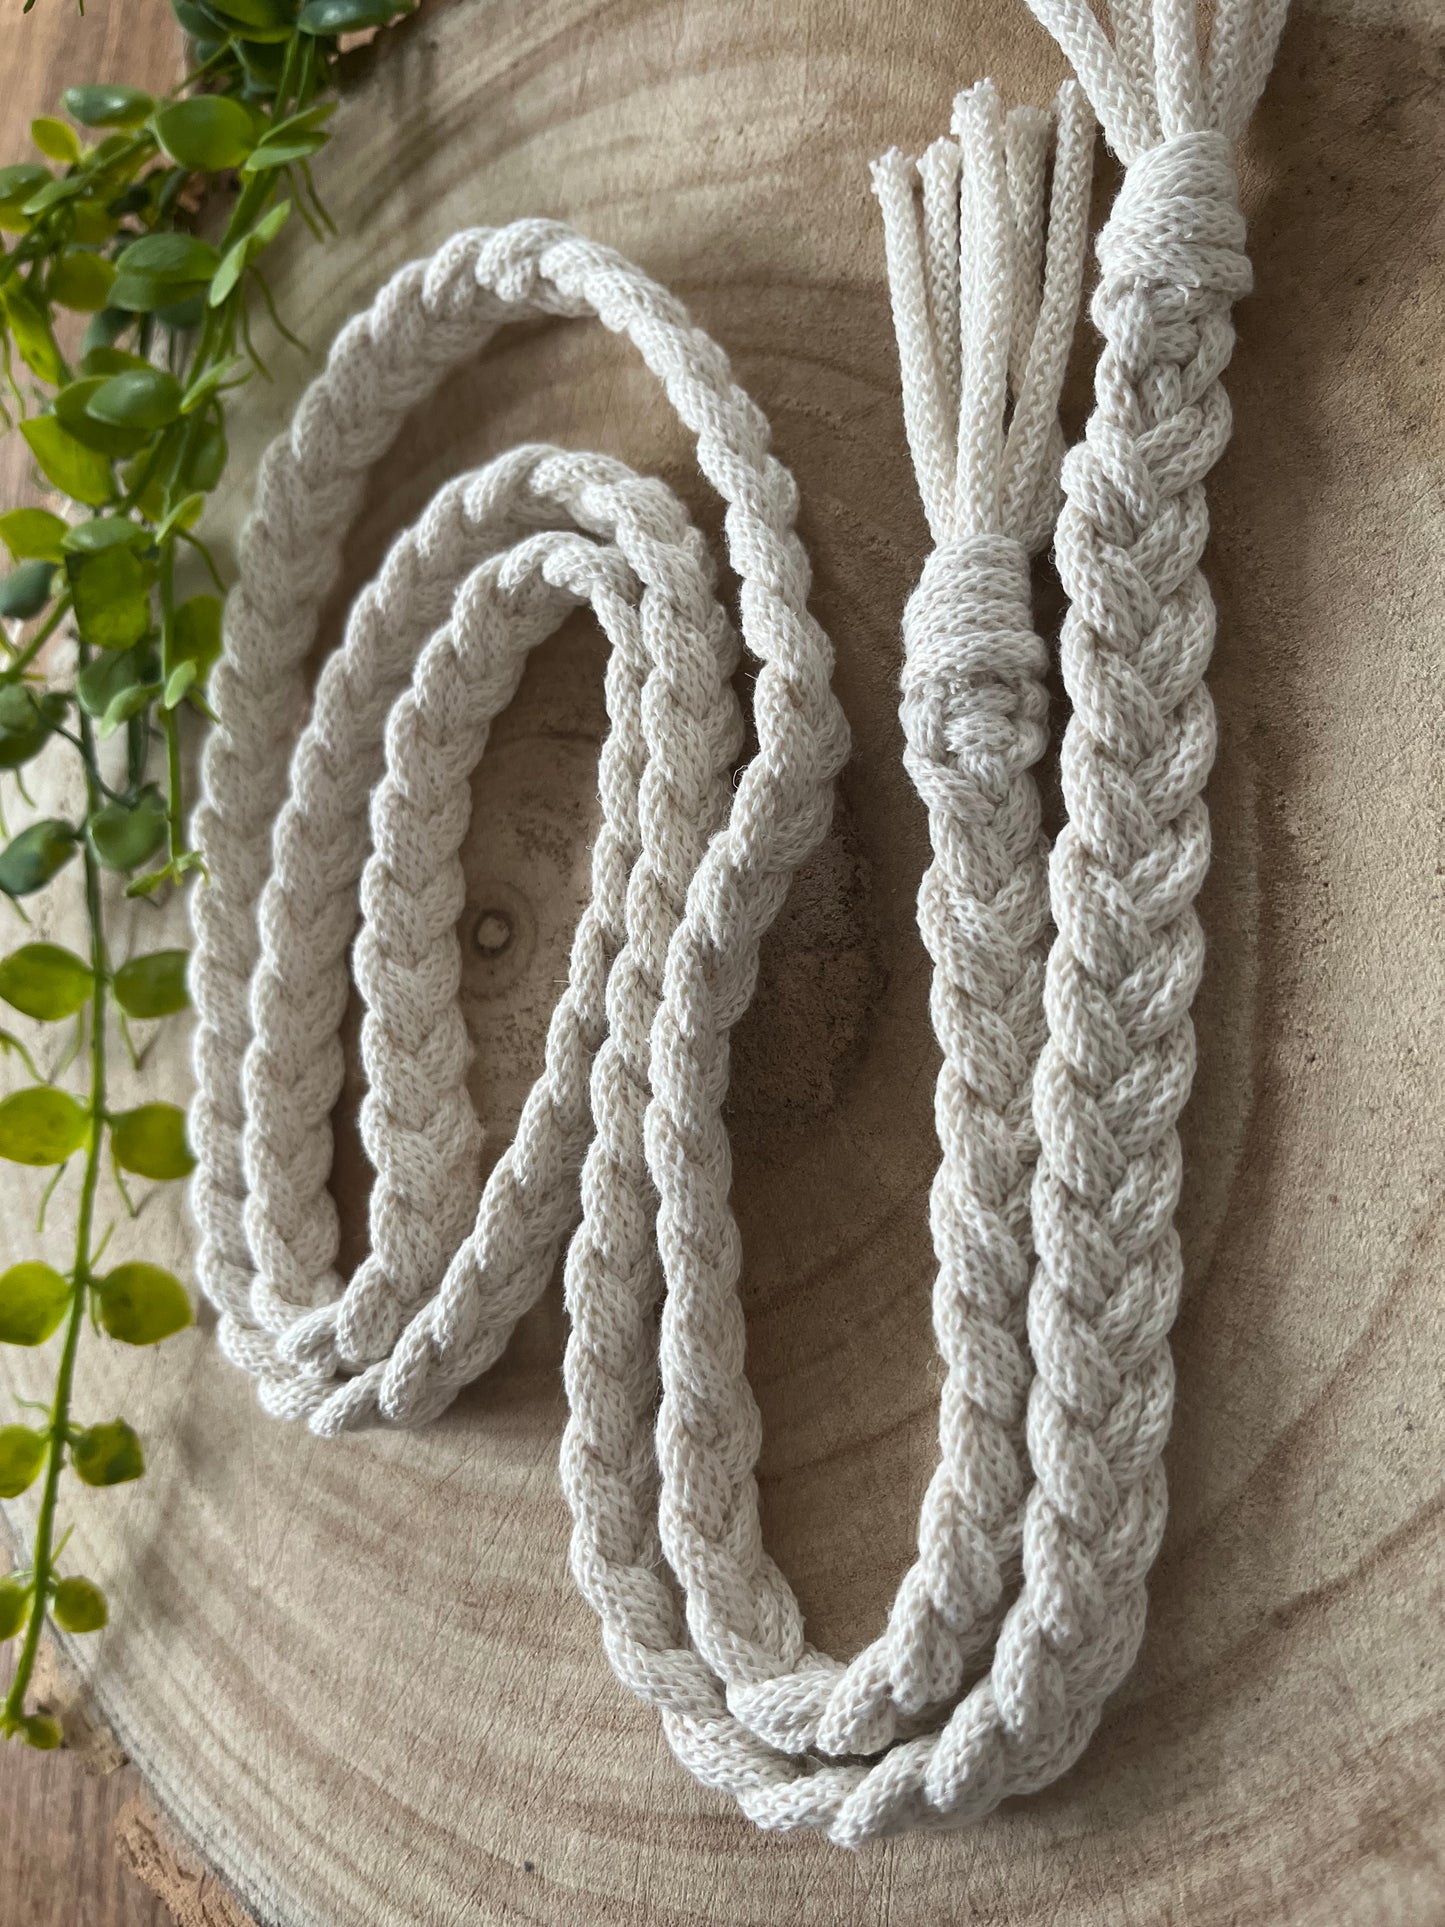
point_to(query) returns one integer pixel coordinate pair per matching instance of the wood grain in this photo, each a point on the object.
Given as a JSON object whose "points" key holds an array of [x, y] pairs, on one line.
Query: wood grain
{"points": [[355, 1672], [80, 1842], [58, 1860]]}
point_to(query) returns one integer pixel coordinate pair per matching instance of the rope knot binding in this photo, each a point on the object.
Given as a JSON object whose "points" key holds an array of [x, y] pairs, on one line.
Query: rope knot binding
{"points": [[1176, 221]]}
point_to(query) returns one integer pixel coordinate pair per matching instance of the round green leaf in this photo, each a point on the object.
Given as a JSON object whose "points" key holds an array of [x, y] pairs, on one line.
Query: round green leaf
{"points": [[105, 532], [270, 225], [32, 532], [177, 258], [56, 190], [125, 838], [70, 410], [111, 587], [78, 1606], [208, 132], [240, 256], [233, 266], [179, 684], [20, 182], [26, 590], [160, 269], [45, 980], [111, 106], [27, 721], [103, 358], [205, 457], [30, 328], [122, 707], [33, 1300], [107, 1454], [22, 1453], [55, 139], [196, 634], [14, 1604], [42, 1731], [151, 1141], [147, 398], [112, 674], [30, 860], [150, 986], [346, 16], [141, 1304], [17, 184], [41, 1126], [81, 280], [77, 471]]}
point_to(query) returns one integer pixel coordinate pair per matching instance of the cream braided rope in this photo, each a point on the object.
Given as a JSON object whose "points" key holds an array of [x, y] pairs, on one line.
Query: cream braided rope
{"points": [[491, 568], [1058, 1266]]}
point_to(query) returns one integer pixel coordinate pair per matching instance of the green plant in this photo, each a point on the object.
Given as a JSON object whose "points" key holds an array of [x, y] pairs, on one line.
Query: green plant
{"points": [[131, 430]]}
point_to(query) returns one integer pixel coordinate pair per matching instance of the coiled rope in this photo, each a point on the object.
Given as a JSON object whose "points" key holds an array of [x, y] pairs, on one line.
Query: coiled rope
{"points": [[1059, 1089]]}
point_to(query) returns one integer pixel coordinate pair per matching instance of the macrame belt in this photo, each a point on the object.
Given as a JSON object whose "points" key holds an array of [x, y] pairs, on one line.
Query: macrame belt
{"points": [[1066, 1052]]}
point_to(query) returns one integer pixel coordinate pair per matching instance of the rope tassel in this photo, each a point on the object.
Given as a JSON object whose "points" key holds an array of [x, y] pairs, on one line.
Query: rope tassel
{"points": [[984, 308]]}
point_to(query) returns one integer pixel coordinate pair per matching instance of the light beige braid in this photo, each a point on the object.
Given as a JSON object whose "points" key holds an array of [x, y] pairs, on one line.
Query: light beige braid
{"points": [[974, 713], [1115, 1069], [1052, 1210], [434, 1303]]}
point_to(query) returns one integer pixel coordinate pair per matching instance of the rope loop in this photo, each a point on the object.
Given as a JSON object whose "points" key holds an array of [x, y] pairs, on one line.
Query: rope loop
{"points": [[434, 649]]}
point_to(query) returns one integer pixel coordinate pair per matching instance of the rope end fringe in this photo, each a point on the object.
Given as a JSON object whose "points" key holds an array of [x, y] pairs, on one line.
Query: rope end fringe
{"points": [[985, 259]]}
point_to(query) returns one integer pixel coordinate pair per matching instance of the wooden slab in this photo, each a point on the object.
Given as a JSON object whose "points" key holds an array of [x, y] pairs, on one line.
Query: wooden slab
{"points": [[355, 1672]]}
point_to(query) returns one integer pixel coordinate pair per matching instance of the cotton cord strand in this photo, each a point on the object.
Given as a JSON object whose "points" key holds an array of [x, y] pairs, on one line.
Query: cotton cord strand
{"points": [[490, 568], [973, 709], [1042, 1529], [974, 713], [1117, 1057], [1106, 1275]]}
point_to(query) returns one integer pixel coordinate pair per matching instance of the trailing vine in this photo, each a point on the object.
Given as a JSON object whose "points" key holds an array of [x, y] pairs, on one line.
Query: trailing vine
{"points": [[127, 425]]}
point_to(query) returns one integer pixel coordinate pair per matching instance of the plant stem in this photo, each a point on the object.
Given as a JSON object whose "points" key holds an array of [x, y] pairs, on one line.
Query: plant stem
{"points": [[170, 723], [13, 1711], [24, 657]]}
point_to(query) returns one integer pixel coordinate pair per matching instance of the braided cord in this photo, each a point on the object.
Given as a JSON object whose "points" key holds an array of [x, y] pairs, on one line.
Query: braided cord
{"points": [[430, 1308], [1065, 1059]]}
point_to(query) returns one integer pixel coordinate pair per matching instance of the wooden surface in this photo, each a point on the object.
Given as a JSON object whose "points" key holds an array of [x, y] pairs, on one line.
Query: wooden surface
{"points": [[82, 1843], [356, 1673], [58, 1858]]}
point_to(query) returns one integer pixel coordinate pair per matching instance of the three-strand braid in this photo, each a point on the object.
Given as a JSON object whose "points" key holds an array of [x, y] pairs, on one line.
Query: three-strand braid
{"points": [[1065, 1057]]}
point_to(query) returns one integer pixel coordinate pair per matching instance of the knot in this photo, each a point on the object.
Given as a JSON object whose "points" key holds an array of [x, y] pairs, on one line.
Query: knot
{"points": [[973, 695], [1176, 222], [969, 617]]}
